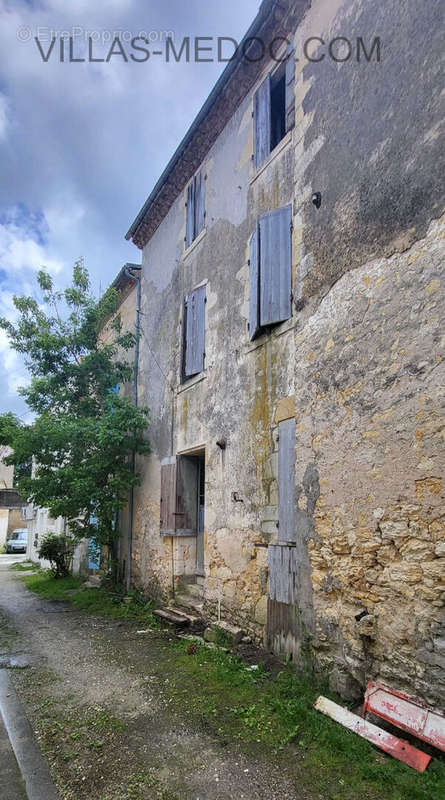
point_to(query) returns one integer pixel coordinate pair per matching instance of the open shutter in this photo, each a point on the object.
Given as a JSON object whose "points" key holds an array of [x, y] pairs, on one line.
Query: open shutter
{"points": [[275, 266], [261, 123], [286, 480], [200, 188], [254, 279], [290, 89], [195, 332], [190, 215], [187, 485], [168, 496]]}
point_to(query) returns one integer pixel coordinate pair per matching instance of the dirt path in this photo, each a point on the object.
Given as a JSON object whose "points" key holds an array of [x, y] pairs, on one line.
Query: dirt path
{"points": [[97, 696]]}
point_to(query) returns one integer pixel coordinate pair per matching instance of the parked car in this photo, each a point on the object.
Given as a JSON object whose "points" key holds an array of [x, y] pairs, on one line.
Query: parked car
{"points": [[18, 541]]}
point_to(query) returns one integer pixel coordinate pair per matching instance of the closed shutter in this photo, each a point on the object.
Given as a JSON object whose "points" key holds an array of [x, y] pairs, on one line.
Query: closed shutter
{"points": [[168, 496], [199, 203], [282, 574], [195, 332], [290, 89], [261, 123], [190, 215], [275, 266], [254, 279], [286, 480]]}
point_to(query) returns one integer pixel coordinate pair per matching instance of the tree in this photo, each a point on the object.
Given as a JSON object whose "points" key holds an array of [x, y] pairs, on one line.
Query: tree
{"points": [[85, 435]]}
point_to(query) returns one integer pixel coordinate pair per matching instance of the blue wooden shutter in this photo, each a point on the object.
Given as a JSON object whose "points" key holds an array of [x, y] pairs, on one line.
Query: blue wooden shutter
{"points": [[195, 332], [190, 215], [290, 89], [261, 123], [254, 280], [275, 266], [286, 480], [200, 188]]}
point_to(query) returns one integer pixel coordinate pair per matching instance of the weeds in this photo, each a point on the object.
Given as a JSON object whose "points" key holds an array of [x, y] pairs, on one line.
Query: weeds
{"points": [[98, 601], [274, 715]]}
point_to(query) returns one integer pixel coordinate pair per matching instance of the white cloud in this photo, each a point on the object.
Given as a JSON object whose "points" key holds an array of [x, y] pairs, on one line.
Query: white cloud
{"points": [[81, 145]]}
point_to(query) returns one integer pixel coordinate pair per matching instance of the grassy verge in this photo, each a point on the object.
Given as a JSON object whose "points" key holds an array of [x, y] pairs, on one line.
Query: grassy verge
{"points": [[94, 601], [25, 566], [248, 706], [272, 716]]}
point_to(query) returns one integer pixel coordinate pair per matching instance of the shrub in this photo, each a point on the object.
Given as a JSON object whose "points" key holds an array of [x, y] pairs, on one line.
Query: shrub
{"points": [[58, 550]]}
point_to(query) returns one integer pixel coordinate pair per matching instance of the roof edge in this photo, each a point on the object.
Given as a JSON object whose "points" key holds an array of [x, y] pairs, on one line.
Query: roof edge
{"points": [[265, 9]]}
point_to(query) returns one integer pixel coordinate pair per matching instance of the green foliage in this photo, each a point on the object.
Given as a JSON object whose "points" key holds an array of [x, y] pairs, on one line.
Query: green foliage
{"points": [[58, 550], [98, 601], [84, 436]]}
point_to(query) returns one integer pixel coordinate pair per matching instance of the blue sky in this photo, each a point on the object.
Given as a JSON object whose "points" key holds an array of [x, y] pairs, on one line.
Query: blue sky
{"points": [[81, 144]]}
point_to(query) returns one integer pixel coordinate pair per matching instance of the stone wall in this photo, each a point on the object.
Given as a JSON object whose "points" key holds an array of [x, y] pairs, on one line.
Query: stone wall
{"points": [[370, 415], [359, 364]]}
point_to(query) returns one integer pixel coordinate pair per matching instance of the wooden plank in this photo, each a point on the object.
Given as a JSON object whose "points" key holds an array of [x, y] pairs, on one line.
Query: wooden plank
{"points": [[275, 266], [171, 617], [282, 573], [262, 123], [397, 748], [283, 631], [286, 480], [254, 284], [407, 713]]}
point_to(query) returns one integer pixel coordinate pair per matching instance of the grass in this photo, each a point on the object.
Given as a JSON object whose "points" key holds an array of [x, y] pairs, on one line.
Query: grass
{"points": [[25, 566], [278, 713], [93, 601], [274, 715]]}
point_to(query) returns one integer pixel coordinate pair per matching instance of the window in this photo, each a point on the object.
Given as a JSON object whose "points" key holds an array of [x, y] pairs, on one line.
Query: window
{"points": [[274, 109], [195, 209], [193, 333], [270, 263]]}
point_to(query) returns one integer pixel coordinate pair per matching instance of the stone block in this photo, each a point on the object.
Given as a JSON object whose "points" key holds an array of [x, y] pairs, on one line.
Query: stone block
{"points": [[435, 570], [210, 635], [394, 530], [224, 629], [285, 409], [261, 611]]}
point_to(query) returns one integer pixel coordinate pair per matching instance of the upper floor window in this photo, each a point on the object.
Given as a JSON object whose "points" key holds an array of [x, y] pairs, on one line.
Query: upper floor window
{"points": [[274, 109], [270, 263], [195, 209], [193, 333]]}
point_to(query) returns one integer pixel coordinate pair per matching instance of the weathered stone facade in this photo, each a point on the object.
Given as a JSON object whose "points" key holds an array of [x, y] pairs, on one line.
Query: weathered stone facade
{"points": [[358, 365]]}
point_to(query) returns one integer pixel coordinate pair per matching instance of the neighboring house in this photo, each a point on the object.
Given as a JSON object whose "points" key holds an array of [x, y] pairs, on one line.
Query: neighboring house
{"points": [[291, 353], [11, 516], [39, 524], [11, 503]]}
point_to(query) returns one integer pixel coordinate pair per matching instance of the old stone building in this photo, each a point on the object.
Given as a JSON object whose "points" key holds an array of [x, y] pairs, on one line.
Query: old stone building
{"points": [[291, 346], [11, 504]]}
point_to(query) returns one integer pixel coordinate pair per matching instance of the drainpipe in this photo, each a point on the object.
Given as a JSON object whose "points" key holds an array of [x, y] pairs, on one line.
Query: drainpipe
{"points": [[135, 401]]}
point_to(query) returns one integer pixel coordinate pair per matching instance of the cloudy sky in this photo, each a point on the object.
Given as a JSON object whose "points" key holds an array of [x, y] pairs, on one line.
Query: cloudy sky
{"points": [[81, 144]]}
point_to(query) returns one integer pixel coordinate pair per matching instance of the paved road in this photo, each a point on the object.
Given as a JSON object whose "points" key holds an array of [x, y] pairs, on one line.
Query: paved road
{"points": [[11, 782], [23, 772], [7, 559]]}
